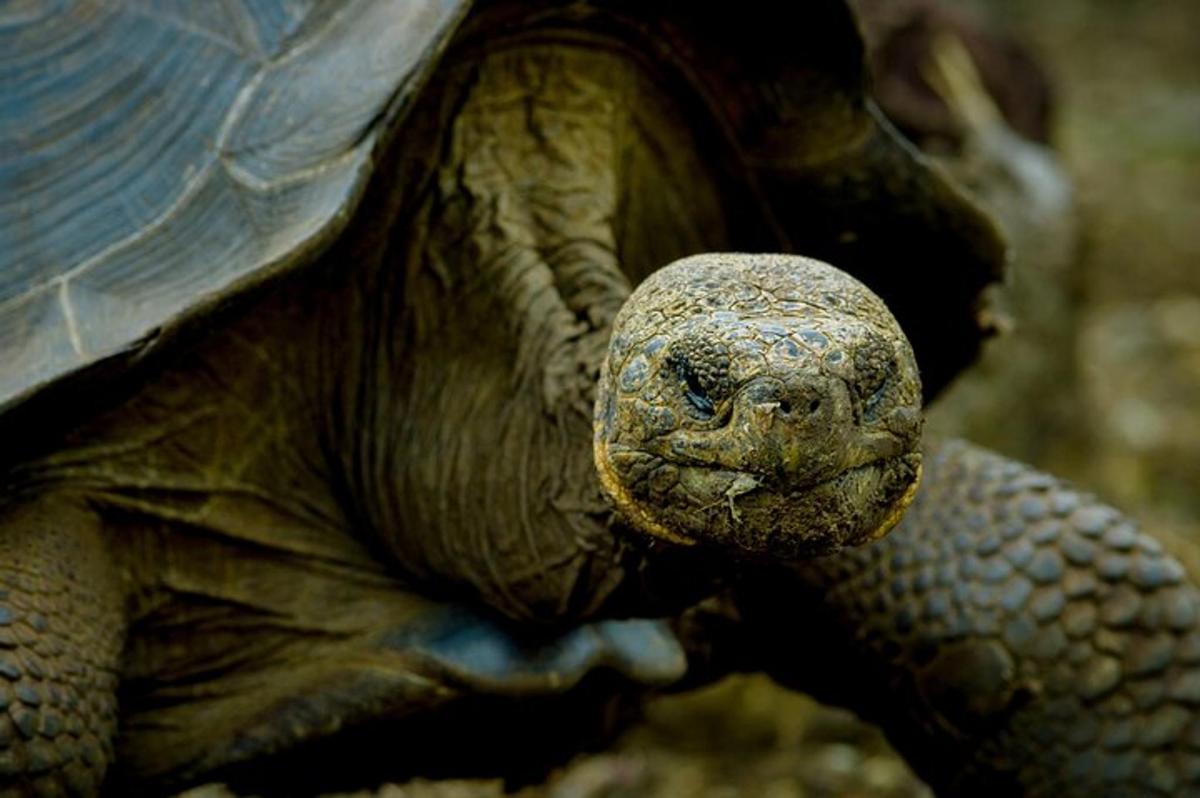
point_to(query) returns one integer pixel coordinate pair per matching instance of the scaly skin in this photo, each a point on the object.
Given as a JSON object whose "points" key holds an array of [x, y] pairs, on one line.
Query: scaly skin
{"points": [[1013, 636], [60, 627]]}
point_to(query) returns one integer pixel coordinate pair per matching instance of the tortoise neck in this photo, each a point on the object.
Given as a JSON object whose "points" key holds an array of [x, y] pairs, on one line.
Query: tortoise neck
{"points": [[473, 463]]}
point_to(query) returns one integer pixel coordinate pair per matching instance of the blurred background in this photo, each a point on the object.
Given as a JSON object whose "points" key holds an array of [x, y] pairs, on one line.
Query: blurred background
{"points": [[1122, 417], [1097, 380]]}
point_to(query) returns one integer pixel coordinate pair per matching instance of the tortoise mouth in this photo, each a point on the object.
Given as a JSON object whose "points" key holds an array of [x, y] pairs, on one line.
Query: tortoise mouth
{"points": [[758, 515], [887, 486]]}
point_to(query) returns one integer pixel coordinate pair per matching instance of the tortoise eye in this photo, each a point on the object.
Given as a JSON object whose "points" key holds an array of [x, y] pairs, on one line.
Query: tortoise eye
{"points": [[874, 365], [700, 401], [702, 367]]}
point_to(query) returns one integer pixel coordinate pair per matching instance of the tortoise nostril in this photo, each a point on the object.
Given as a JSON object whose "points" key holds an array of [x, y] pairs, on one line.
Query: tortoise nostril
{"points": [[785, 407], [794, 399]]}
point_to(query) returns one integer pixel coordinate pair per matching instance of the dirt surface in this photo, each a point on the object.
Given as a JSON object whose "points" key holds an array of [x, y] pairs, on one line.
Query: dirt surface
{"points": [[1100, 383], [742, 737]]}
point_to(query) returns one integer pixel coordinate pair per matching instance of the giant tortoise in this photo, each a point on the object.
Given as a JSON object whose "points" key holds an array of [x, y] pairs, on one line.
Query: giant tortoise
{"points": [[331, 411]]}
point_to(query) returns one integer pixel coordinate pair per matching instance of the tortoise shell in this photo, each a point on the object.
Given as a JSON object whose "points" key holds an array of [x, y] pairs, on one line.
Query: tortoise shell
{"points": [[157, 159]]}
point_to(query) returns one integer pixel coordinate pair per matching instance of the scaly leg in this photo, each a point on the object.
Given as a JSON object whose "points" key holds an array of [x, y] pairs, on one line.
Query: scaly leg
{"points": [[61, 633], [1013, 636]]}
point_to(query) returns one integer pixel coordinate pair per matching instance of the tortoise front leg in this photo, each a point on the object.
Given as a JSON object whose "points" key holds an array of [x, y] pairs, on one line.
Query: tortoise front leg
{"points": [[61, 634], [1012, 636]]}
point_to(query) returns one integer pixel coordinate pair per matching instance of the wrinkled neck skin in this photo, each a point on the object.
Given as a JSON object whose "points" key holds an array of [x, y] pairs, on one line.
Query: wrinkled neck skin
{"points": [[564, 177]]}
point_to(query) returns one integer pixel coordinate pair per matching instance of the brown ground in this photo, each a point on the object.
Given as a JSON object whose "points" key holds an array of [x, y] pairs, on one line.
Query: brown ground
{"points": [[1116, 408]]}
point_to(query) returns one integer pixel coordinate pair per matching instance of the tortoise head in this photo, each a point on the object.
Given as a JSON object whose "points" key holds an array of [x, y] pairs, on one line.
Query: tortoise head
{"points": [[766, 404]]}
